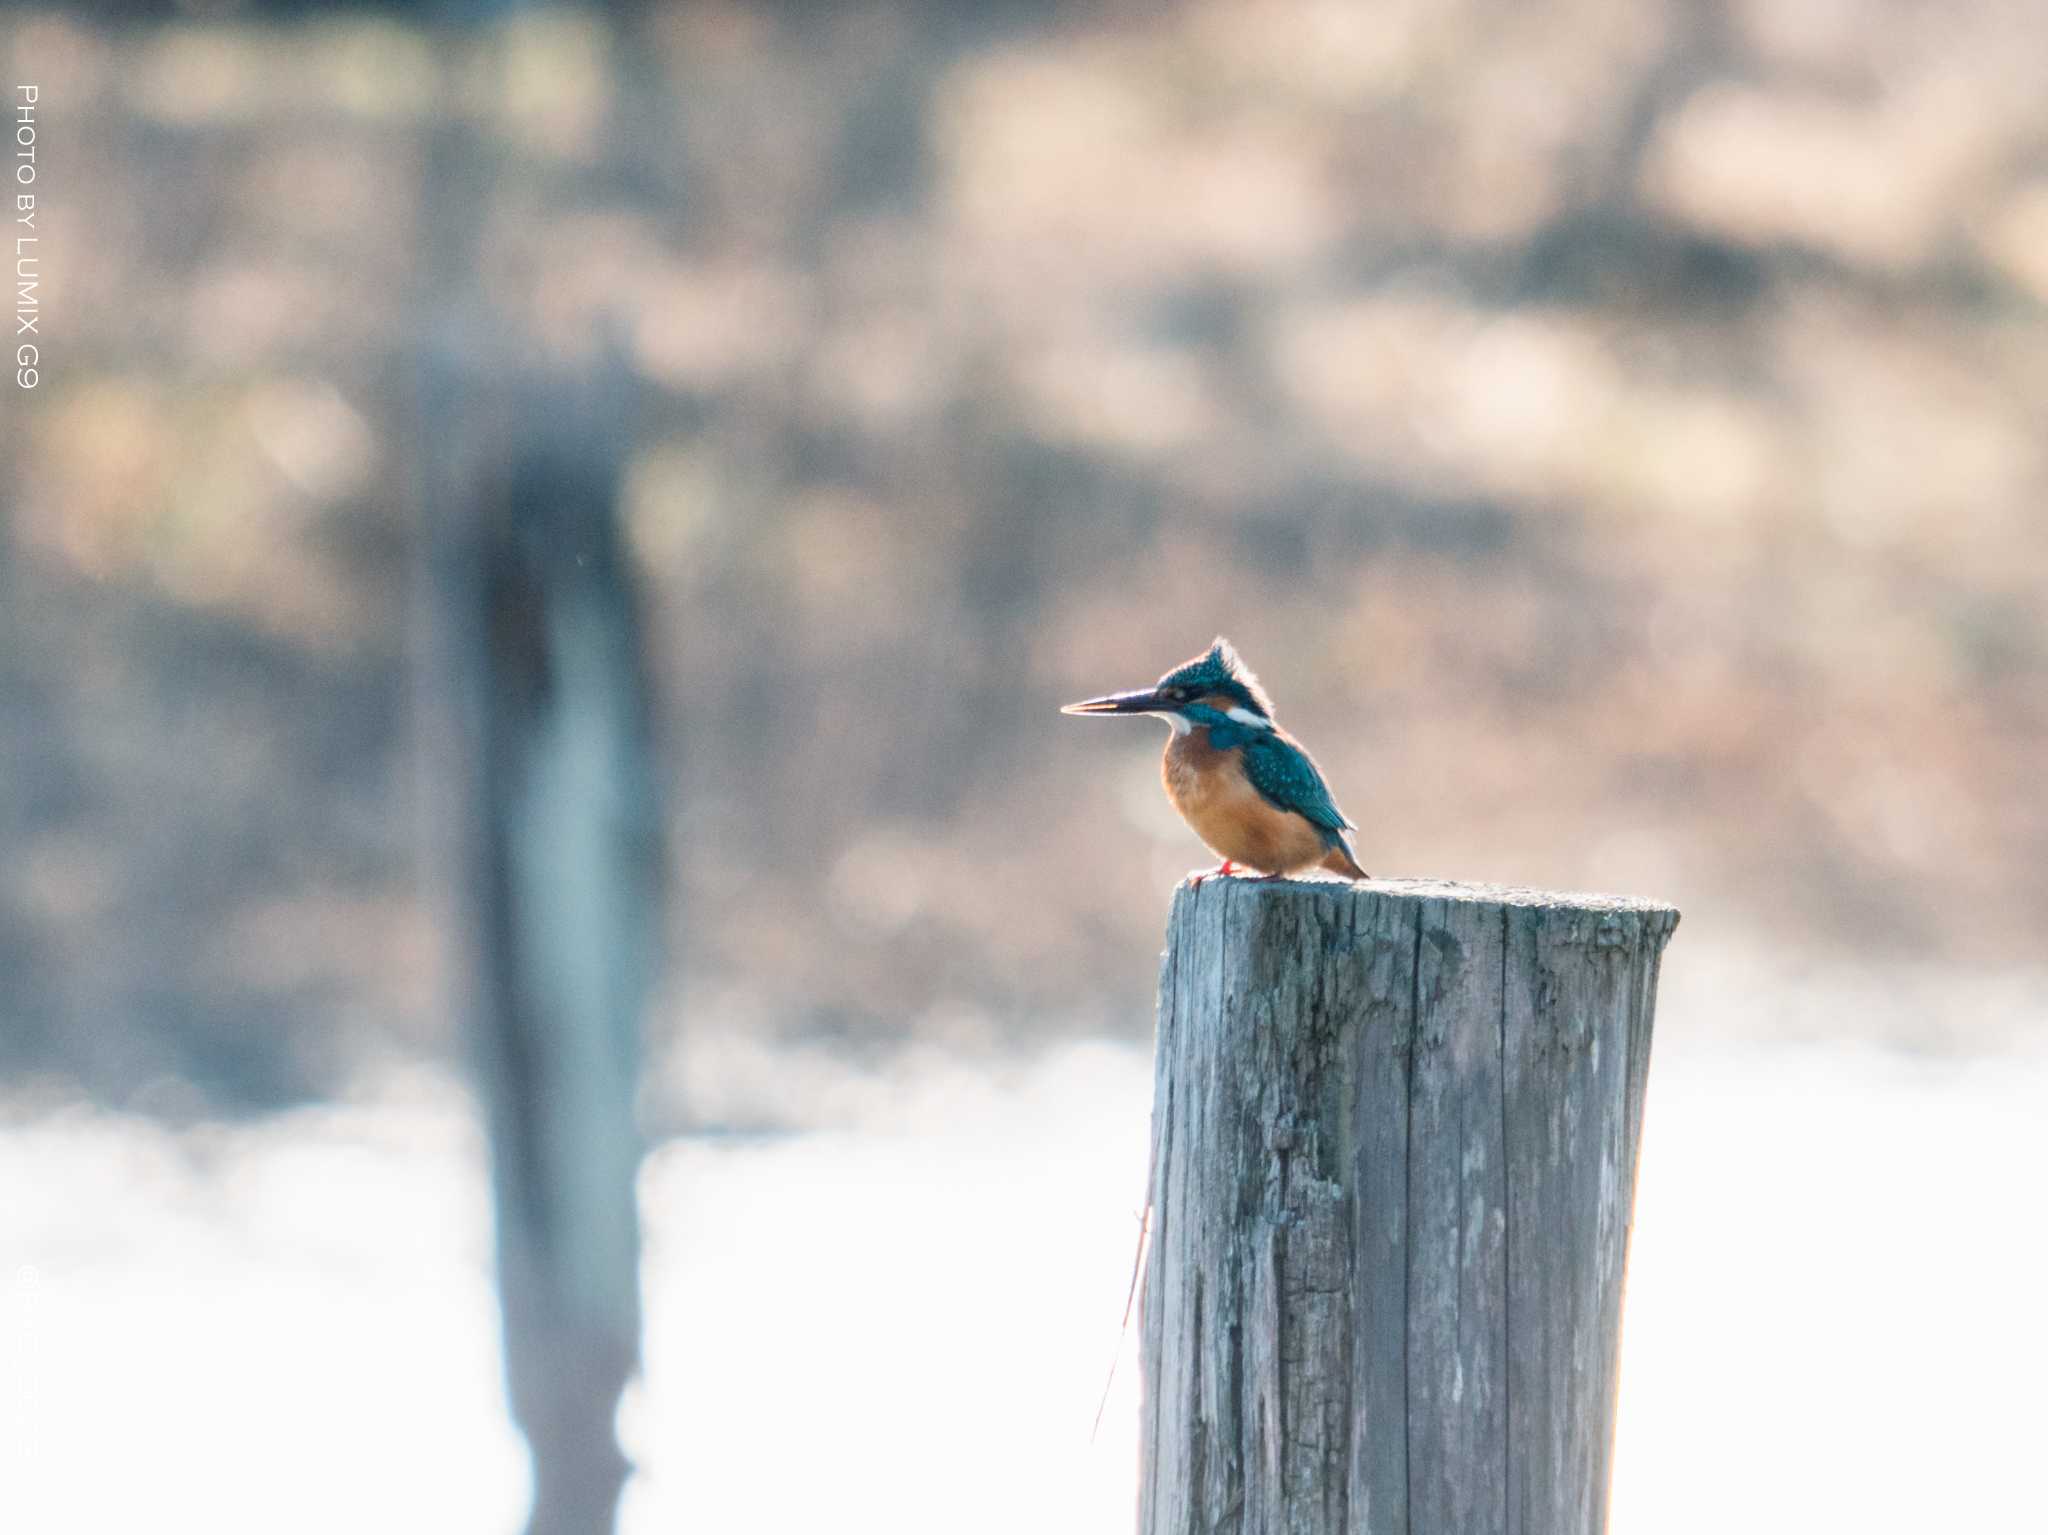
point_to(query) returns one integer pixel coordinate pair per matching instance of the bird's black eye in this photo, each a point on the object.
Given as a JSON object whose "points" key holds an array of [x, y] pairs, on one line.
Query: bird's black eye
{"points": [[1176, 695]]}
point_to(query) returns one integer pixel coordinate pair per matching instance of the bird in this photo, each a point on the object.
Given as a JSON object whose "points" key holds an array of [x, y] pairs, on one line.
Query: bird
{"points": [[1246, 787]]}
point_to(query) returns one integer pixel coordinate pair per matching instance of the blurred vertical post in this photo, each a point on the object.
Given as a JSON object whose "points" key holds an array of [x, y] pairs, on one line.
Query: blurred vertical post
{"points": [[537, 703], [540, 689], [1394, 1149]]}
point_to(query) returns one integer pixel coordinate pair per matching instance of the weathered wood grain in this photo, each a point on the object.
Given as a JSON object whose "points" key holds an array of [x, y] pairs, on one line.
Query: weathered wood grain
{"points": [[1394, 1144], [1457, 1216]]}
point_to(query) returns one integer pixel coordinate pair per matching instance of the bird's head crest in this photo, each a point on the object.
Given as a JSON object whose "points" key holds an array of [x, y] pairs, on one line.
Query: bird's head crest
{"points": [[1220, 670]]}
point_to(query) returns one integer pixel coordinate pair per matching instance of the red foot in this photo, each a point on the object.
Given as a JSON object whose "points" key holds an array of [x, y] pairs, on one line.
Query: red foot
{"points": [[1223, 870]]}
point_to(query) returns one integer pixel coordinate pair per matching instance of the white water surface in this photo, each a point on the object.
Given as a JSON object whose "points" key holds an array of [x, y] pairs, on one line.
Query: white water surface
{"points": [[1834, 1320]]}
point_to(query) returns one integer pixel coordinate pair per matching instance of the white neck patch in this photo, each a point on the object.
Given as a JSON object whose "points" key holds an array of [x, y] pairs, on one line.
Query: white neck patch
{"points": [[1245, 716]]}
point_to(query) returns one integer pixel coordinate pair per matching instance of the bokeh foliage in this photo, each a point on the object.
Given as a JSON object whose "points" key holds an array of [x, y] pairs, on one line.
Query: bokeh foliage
{"points": [[1611, 429]]}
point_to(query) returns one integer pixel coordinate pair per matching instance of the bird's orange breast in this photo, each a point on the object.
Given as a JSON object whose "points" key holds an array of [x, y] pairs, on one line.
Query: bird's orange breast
{"points": [[1210, 790]]}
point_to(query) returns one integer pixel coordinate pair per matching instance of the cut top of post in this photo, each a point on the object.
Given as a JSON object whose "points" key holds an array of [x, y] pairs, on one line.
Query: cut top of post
{"points": [[1458, 890]]}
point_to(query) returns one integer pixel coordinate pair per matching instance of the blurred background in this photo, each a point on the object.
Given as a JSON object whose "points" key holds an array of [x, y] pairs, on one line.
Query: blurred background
{"points": [[1611, 430]]}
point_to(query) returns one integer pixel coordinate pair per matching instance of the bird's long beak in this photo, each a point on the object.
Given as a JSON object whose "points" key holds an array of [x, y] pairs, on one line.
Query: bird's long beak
{"points": [[1137, 701]]}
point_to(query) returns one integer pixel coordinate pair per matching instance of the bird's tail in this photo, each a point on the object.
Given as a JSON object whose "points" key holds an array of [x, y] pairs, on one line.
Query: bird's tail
{"points": [[1340, 861]]}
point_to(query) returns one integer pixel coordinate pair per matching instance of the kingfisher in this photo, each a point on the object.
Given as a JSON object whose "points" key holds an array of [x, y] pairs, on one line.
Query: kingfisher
{"points": [[1247, 788]]}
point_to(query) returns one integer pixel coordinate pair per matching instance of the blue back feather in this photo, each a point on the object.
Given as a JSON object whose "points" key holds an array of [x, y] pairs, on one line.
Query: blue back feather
{"points": [[1280, 770]]}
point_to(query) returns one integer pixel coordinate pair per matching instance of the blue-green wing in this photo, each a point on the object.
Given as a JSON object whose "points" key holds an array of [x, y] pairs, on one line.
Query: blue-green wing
{"points": [[1286, 775]]}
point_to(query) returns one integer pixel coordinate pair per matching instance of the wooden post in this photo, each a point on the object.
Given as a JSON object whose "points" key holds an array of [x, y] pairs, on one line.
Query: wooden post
{"points": [[1394, 1147], [549, 848]]}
